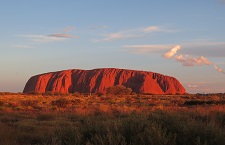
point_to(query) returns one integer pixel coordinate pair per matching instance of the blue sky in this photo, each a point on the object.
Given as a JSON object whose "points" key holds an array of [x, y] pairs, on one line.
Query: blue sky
{"points": [[44, 36]]}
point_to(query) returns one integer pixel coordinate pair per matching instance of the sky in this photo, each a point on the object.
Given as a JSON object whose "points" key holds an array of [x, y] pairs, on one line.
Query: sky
{"points": [[183, 39]]}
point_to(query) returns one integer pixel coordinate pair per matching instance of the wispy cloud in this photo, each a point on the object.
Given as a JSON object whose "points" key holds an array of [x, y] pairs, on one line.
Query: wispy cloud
{"points": [[151, 29], [43, 38], [62, 35], [65, 34], [146, 49], [50, 37], [118, 35], [218, 69], [132, 33], [22, 46], [187, 60]]}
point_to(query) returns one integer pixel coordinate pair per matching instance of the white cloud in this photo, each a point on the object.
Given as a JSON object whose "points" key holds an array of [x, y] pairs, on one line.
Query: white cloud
{"points": [[192, 61], [187, 60], [172, 51], [195, 48]]}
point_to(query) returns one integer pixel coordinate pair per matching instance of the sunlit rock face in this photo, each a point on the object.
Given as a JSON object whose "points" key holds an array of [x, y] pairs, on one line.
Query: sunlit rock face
{"points": [[97, 80]]}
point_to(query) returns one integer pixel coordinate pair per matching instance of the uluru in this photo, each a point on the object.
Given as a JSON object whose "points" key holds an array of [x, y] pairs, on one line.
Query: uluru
{"points": [[98, 80]]}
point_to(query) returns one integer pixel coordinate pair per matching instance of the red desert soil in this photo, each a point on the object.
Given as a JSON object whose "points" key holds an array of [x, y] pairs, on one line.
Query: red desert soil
{"points": [[97, 80]]}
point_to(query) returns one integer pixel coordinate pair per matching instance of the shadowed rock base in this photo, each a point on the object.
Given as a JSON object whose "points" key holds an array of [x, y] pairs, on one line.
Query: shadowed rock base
{"points": [[97, 80]]}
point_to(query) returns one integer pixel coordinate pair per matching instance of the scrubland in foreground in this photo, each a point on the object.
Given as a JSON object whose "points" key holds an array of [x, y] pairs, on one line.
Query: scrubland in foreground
{"points": [[108, 119]]}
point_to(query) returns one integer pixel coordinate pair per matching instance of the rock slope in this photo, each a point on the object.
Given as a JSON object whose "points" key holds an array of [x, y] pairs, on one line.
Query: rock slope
{"points": [[97, 80]]}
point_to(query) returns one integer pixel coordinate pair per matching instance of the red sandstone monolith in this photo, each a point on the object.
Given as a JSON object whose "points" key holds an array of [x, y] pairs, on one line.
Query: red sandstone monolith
{"points": [[97, 80]]}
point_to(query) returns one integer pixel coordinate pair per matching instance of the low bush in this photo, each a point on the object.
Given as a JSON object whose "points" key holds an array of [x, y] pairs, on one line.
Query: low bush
{"points": [[60, 103], [1, 103], [29, 102], [118, 90]]}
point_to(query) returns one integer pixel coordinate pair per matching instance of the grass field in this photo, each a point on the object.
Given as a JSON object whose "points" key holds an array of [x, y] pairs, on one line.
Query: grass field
{"points": [[62, 119]]}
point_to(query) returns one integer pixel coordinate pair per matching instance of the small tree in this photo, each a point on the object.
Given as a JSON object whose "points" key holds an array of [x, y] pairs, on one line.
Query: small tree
{"points": [[118, 90]]}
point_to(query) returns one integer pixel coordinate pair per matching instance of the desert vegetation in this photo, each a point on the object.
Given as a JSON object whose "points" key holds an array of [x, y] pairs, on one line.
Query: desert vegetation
{"points": [[121, 118]]}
